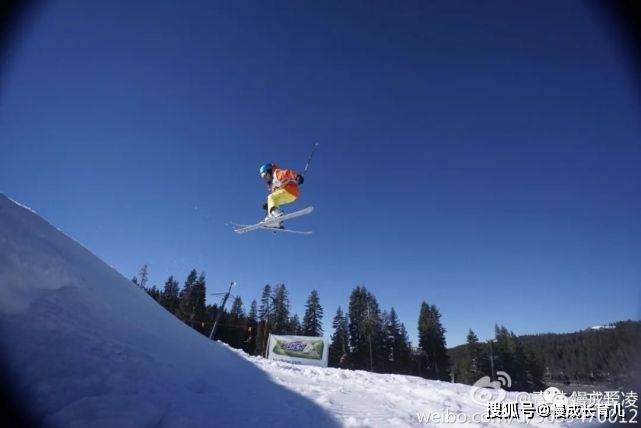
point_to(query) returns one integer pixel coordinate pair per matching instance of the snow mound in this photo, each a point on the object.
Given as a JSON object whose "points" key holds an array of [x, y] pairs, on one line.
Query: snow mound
{"points": [[86, 348]]}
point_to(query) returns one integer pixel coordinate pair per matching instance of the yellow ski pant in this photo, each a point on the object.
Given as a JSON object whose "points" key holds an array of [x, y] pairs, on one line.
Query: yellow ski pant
{"points": [[279, 197]]}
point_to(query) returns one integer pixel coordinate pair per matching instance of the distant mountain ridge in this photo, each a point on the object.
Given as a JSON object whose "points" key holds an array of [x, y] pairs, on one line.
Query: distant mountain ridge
{"points": [[599, 354]]}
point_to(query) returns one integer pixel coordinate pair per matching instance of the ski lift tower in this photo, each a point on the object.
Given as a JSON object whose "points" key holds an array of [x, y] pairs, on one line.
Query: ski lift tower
{"points": [[220, 310]]}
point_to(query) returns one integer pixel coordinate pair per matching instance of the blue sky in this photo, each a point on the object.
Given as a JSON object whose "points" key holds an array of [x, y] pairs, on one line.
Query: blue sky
{"points": [[483, 157]]}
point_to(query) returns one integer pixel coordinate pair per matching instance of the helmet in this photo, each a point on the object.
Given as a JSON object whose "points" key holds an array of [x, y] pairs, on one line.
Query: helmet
{"points": [[266, 168]]}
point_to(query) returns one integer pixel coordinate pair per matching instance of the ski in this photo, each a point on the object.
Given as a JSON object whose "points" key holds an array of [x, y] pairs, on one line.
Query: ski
{"points": [[266, 223], [275, 229], [298, 232]]}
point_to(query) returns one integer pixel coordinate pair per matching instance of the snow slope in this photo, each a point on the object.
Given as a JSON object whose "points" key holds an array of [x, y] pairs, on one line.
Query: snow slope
{"points": [[87, 348]]}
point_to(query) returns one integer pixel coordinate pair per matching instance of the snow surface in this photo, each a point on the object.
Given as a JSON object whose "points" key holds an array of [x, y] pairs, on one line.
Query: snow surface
{"points": [[358, 398], [602, 327], [87, 348]]}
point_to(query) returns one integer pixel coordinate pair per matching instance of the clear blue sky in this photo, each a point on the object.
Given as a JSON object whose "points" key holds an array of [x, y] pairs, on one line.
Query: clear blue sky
{"points": [[481, 156]]}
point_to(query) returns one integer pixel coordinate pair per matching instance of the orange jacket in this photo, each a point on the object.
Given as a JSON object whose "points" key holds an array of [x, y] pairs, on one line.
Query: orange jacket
{"points": [[284, 179]]}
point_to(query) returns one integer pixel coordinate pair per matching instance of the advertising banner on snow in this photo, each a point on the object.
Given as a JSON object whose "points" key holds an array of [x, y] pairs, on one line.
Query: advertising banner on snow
{"points": [[307, 350]]}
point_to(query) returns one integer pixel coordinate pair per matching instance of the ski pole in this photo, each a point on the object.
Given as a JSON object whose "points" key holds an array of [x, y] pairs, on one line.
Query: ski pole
{"points": [[309, 159]]}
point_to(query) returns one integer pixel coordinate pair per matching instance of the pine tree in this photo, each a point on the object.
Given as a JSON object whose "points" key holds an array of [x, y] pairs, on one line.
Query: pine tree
{"points": [[366, 335], [252, 317], [536, 373], [431, 340], [399, 350], [237, 323], [280, 304], [143, 276], [169, 296], [520, 365], [261, 338], [250, 344], [388, 342], [295, 326], [356, 314], [198, 294], [503, 350], [340, 339], [265, 311], [476, 363], [405, 352], [265, 316], [313, 318], [525, 370], [153, 292], [237, 312], [186, 299]]}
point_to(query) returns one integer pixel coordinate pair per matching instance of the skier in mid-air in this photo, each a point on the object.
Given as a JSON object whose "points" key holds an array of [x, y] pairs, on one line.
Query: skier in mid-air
{"points": [[283, 186]]}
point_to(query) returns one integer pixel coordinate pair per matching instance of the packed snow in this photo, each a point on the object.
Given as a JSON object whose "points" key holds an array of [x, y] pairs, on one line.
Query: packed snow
{"points": [[357, 398], [360, 398], [87, 348]]}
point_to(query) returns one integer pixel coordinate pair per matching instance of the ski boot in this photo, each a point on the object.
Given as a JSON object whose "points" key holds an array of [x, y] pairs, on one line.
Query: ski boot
{"points": [[276, 212]]}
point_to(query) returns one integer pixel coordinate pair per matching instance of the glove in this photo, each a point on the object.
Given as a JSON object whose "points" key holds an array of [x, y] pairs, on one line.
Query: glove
{"points": [[300, 179]]}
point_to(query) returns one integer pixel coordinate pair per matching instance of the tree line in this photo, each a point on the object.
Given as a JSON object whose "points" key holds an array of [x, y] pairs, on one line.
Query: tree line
{"points": [[505, 353], [364, 337], [367, 337], [608, 355]]}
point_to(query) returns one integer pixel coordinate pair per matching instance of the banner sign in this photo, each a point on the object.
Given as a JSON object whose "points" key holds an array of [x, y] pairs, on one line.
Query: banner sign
{"points": [[307, 350]]}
